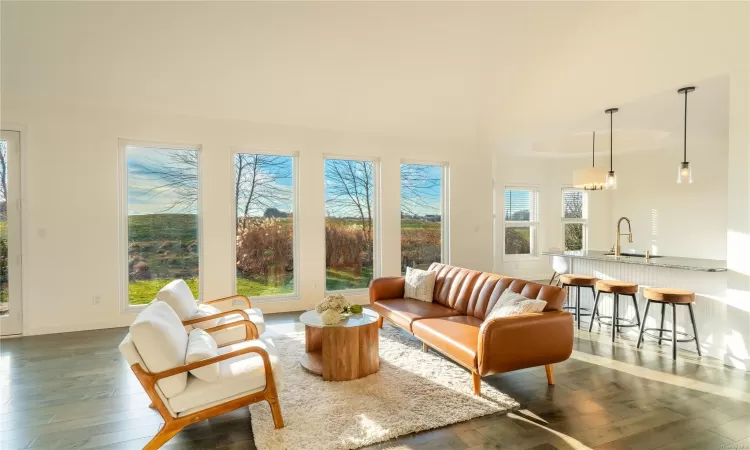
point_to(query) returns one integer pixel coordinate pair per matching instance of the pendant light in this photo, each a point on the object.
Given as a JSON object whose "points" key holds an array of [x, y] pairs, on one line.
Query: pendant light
{"points": [[684, 172], [611, 180], [590, 179]]}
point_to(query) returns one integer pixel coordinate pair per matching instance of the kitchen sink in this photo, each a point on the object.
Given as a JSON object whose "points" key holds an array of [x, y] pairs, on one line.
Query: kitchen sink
{"points": [[634, 255]]}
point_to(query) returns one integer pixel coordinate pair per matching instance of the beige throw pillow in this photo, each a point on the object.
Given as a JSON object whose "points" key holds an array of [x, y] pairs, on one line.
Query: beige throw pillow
{"points": [[419, 284], [512, 304]]}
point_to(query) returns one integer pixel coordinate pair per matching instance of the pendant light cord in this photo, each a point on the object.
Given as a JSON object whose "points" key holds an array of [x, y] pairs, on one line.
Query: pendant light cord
{"points": [[610, 140], [684, 135]]}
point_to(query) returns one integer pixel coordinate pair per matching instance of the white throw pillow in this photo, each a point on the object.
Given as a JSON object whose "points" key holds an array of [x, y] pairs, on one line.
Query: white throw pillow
{"points": [[419, 284], [202, 346], [512, 304], [205, 311], [177, 294], [161, 341]]}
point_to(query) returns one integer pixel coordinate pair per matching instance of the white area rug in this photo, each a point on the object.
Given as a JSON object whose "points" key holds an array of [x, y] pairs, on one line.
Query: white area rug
{"points": [[413, 391]]}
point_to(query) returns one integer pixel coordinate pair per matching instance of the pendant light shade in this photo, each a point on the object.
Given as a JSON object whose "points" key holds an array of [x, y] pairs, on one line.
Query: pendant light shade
{"points": [[684, 172], [610, 181], [590, 178]]}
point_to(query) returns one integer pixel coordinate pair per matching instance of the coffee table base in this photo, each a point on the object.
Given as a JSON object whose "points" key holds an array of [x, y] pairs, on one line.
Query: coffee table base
{"points": [[341, 353]]}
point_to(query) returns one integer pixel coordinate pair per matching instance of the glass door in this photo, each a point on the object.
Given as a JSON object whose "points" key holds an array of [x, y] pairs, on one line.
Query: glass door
{"points": [[10, 233]]}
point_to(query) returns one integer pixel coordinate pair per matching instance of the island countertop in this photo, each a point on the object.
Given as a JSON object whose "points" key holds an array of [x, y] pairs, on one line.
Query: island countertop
{"points": [[671, 262]]}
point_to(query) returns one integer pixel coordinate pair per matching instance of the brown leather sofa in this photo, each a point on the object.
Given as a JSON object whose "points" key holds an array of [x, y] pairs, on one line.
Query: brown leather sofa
{"points": [[454, 324]]}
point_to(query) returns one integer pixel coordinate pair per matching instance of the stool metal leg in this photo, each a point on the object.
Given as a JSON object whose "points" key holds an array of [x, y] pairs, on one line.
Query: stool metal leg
{"points": [[643, 325], [637, 315], [615, 315], [695, 329], [674, 331], [663, 313], [578, 306], [593, 312]]}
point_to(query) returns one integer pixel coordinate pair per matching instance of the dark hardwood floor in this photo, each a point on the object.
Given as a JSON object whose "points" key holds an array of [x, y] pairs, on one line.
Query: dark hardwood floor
{"points": [[75, 390]]}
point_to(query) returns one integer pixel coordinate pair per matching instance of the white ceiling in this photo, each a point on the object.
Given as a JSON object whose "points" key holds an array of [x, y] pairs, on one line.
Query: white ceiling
{"points": [[650, 123], [468, 72]]}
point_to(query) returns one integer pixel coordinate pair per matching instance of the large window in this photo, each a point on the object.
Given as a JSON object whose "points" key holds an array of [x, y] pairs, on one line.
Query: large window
{"points": [[350, 203], [264, 197], [574, 219], [422, 215], [521, 221], [161, 213]]}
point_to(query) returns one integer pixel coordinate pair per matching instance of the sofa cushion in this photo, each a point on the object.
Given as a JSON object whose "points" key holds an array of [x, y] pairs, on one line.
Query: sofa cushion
{"points": [[404, 311], [161, 342], [238, 376], [202, 346], [457, 337], [177, 294], [512, 304], [453, 286], [237, 333]]}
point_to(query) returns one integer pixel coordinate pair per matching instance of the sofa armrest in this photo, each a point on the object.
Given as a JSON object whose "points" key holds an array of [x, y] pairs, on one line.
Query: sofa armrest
{"points": [[386, 288], [527, 340]]}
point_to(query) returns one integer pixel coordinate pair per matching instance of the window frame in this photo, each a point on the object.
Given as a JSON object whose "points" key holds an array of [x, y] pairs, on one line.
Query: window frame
{"points": [[584, 221], [123, 144], [532, 224], [376, 236], [295, 294], [444, 205]]}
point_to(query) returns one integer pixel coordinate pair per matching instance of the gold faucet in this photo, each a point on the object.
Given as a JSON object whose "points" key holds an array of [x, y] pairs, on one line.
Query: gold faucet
{"points": [[629, 233]]}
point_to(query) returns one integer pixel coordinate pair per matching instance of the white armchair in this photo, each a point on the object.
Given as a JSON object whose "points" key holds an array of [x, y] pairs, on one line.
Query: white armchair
{"points": [[156, 347], [211, 313]]}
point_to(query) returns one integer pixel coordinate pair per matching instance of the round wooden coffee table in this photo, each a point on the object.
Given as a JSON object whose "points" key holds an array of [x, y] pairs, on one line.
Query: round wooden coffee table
{"points": [[344, 351]]}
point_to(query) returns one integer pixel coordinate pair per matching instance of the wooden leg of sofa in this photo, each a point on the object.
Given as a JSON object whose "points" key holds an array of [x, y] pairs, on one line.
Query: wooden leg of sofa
{"points": [[166, 433], [425, 347], [550, 374], [380, 322], [477, 383]]}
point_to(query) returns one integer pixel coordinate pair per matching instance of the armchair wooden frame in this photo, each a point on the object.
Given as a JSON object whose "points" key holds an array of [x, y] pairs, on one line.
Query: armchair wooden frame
{"points": [[173, 425], [231, 297], [251, 329]]}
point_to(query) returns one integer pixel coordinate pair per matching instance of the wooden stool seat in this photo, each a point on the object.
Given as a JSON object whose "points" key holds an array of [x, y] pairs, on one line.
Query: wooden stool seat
{"points": [[673, 298], [573, 279], [666, 295], [616, 287]]}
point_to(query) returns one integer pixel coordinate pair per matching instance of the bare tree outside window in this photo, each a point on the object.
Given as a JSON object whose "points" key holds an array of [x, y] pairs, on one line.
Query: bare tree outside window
{"points": [[574, 219], [421, 215], [350, 210], [162, 208], [265, 226]]}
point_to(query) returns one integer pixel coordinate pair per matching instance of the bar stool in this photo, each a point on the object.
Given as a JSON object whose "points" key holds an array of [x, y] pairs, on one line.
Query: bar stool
{"points": [[578, 281], [673, 297], [616, 288]]}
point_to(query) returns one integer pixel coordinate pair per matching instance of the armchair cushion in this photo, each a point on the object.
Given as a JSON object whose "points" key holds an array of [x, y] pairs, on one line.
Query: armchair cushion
{"points": [[238, 333], [161, 341], [205, 310], [238, 376], [202, 346], [177, 294]]}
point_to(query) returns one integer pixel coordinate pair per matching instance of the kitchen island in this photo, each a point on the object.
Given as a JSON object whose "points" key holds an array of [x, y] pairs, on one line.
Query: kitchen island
{"points": [[719, 336]]}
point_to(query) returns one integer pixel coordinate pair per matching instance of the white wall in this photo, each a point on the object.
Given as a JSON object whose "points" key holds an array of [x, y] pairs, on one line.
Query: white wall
{"points": [[688, 220], [549, 177], [71, 192]]}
